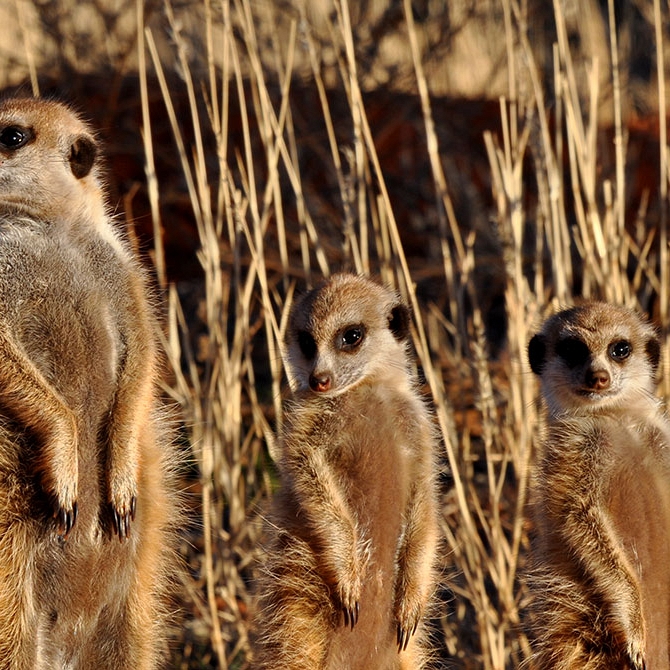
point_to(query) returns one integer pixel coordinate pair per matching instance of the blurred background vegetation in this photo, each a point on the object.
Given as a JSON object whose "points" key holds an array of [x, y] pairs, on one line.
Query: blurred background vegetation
{"points": [[492, 159]]}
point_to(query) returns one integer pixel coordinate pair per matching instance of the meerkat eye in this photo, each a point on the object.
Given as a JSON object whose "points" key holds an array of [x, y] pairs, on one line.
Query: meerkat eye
{"points": [[620, 350], [573, 351], [14, 137], [307, 344], [352, 337]]}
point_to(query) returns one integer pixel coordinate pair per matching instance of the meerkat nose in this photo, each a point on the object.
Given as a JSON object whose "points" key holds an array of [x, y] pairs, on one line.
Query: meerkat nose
{"points": [[320, 382], [598, 380]]}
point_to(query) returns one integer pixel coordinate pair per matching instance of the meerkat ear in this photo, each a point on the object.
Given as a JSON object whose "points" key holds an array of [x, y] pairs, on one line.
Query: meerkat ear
{"points": [[399, 321], [83, 151], [653, 351], [537, 350]]}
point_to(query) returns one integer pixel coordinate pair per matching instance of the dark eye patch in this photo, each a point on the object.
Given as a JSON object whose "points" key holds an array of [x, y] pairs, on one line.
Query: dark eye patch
{"points": [[573, 351], [14, 137], [307, 344], [620, 350]]}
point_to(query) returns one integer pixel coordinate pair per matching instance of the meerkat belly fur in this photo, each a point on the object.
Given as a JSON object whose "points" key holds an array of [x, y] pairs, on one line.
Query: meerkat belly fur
{"points": [[601, 580], [86, 504], [349, 568]]}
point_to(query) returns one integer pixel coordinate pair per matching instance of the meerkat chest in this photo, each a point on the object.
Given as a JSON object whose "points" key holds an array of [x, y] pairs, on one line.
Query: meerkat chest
{"points": [[619, 465], [374, 453], [58, 312], [361, 440]]}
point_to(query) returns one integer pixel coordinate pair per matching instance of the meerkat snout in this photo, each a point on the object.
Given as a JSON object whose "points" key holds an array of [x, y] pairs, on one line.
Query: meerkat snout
{"points": [[597, 380], [320, 383]]}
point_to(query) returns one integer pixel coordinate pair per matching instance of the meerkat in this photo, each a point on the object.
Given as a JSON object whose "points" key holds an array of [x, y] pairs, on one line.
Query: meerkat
{"points": [[601, 582], [349, 567], [86, 501]]}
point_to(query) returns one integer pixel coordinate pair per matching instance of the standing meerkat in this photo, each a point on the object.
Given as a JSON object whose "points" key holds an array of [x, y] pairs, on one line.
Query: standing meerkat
{"points": [[82, 457], [602, 499], [349, 569]]}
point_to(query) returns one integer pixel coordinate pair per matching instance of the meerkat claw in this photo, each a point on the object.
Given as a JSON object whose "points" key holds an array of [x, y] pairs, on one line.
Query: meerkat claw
{"points": [[400, 638], [65, 519], [404, 639], [121, 524], [350, 615], [121, 518], [404, 635]]}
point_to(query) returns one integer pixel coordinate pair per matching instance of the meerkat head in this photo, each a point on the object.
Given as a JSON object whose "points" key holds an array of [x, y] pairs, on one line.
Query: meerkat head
{"points": [[595, 357], [48, 164], [346, 331]]}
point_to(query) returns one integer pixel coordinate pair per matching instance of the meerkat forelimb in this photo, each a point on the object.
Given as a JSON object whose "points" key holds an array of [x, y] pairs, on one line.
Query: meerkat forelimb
{"points": [[353, 530], [602, 494]]}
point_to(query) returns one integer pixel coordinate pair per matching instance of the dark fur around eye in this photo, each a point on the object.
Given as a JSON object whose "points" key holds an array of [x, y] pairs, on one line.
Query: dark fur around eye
{"points": [[537, 351], [351, 337], [619, 350], [573, 351], [307, 344], [14, 137]]}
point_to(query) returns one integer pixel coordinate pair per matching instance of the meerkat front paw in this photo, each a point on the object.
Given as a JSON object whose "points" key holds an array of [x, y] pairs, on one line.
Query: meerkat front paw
{"points": [[59, 465], [123, 504], [122, 515], [348, 595], [634, 635], [408, 617], [636, 654], [348, 591], [348, 562], [65, 513]]}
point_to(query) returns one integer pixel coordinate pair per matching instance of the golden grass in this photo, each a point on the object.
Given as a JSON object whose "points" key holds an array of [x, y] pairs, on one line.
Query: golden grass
{"points": [[563, 225]]}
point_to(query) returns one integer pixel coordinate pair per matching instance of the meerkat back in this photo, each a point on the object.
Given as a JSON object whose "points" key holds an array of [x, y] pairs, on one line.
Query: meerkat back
{"points": [[353, 529], [86, 491], [602, 496]]}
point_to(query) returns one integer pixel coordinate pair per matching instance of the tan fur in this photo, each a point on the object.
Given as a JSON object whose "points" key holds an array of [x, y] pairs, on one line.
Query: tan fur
{"points": [[601, 583], [349, 570], [82, 458]]}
